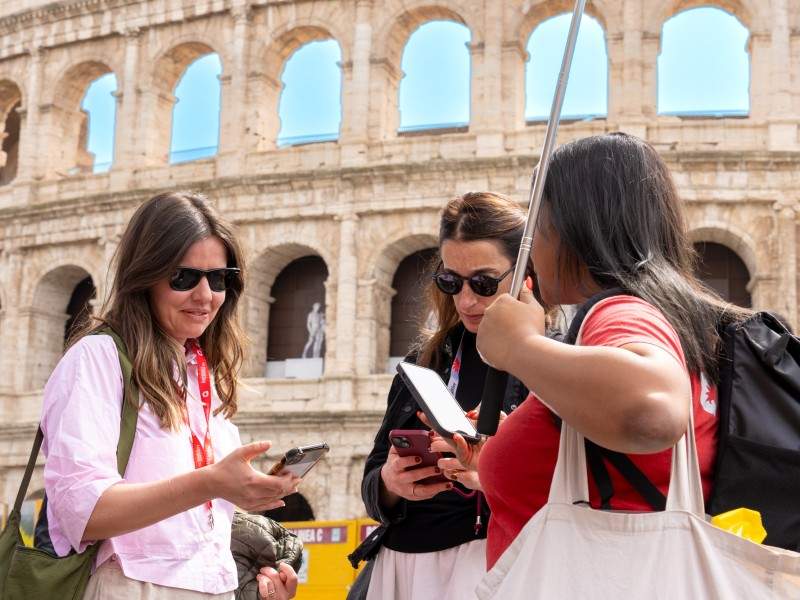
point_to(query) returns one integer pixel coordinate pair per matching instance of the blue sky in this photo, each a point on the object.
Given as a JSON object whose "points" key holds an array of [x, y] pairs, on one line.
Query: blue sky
{"points": [[703, 68]]}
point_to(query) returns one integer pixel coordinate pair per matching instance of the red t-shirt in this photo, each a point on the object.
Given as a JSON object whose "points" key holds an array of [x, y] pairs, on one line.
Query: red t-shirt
{"points": [[516, 466]]}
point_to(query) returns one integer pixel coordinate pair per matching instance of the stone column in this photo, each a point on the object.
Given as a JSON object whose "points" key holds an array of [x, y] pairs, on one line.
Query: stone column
{"points": [[512, 99], [233, 110], [373, 326], [12, 363], [127, 136], [346, 288], [786, 211], [32, 162], [761, 87], [486, 87], [354, 132], [384, 114], [782, 125], [633, 59]]}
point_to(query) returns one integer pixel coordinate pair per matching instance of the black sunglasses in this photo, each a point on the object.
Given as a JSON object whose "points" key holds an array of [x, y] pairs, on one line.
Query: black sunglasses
{"points": [[483, 285], [186, 278]]}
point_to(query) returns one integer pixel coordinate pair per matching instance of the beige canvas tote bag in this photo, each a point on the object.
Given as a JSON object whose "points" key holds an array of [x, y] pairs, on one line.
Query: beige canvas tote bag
{"points": [[568, 550]]}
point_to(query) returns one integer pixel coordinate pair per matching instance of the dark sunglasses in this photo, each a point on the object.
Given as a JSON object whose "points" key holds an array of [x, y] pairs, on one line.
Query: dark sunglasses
{"points": [[483, 285], [185, 278]]}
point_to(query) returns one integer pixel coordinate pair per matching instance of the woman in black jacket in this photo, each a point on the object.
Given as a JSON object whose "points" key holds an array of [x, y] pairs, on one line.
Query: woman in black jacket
{"points": [[431, 543]]}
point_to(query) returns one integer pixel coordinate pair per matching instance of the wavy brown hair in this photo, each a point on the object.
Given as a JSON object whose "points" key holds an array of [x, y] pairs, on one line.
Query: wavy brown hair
{"points": [[475, 216], [157, 237]]}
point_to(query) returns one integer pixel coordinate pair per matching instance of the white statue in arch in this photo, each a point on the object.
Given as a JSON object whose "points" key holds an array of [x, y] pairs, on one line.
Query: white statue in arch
{"points": [[315, 324]]}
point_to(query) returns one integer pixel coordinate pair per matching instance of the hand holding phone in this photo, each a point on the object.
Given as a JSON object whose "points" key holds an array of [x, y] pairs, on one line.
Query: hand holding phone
{"points": [[416, 442], [299, 461]]}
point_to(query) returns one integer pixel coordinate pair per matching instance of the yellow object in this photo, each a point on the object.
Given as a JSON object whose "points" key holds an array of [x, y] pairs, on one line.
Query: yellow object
{"points": [[326, 574], [744, 522]]}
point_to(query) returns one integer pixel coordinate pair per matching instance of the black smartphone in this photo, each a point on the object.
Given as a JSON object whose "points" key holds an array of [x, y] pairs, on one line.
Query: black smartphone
{"points": [[300, 460]]}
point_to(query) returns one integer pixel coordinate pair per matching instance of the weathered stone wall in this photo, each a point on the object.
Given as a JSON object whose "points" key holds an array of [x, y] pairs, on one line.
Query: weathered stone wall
{"points": [[362, 203]]}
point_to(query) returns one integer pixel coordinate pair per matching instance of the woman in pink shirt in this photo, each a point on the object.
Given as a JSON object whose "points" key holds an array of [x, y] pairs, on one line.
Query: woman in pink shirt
{"points": [[165, 526]]}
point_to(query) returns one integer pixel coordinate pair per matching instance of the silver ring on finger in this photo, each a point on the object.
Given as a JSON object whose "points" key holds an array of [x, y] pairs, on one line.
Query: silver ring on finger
{"points": [[270, 590]]}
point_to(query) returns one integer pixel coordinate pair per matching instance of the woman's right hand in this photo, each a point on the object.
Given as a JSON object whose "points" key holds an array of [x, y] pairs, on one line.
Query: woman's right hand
{"points": [[401, 478], [234, 479]]}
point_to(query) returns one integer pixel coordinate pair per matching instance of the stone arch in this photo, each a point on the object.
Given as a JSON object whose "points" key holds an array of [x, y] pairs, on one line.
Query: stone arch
{"points": [[262, 272], [69, 122], [168, 67], [284, 43], [382, 271], [48, 316], [390, 40], [732, 237], [10, 129], [538, 12], [741, 9]]}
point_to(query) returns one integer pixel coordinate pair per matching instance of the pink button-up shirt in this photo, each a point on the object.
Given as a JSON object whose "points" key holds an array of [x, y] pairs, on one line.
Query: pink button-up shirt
{"points": [[81, 423]]}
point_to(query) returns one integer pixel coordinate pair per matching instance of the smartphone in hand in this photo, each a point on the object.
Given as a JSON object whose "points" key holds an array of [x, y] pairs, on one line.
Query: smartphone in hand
{"points": [[300, 460], [417, 442]]}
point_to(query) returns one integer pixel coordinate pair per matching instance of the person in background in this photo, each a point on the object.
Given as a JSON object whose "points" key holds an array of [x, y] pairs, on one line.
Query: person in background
{"points": [[431, 544]]}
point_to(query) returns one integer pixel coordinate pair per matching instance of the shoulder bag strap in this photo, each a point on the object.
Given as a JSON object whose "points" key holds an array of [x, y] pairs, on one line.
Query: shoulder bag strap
{"points": [[127, 430]]}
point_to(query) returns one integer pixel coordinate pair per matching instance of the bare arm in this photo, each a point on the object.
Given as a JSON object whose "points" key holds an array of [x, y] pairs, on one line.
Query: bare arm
{"points": [[126, 507], [630, 399]]}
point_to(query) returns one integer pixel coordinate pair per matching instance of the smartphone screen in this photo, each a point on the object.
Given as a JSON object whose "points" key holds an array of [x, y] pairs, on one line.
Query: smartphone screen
{"points": [[437, 401], [300, 460]]}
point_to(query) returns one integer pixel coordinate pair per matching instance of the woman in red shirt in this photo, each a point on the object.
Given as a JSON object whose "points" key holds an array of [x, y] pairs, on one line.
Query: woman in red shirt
{"points": [[610, 218]]}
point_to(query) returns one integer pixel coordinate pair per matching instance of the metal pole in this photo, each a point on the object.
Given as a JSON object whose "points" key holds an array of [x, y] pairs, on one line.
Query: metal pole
{"points": [[494, 387]]}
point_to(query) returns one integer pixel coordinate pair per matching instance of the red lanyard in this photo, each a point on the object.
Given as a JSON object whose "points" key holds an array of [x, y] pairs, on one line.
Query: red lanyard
{"points": [[203, 454]]}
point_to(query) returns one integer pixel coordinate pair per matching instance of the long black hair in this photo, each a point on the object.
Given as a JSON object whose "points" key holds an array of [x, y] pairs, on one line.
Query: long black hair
{"points": [[612, 202]]}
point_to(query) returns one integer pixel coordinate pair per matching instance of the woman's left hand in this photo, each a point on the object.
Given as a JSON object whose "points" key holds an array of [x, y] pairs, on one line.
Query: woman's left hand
{"points": [[506, 324], [277, 585]]}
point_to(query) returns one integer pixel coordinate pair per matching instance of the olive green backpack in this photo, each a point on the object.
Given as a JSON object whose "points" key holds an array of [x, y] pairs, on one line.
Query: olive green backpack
{"points": [[32, 573]]}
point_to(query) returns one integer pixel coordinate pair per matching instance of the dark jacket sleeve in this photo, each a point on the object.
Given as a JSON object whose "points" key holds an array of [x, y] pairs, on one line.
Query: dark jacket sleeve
{"points": [[399, 410]]}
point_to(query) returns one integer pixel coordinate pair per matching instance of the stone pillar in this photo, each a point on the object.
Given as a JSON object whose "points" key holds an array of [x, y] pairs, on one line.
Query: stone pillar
{"points": [[12, 363], [354, 131], [486, 87], [761, 87], [127, 135], [782, 125], [786, 211], [514, 59], [384, 113], [32, 162], [372, 326], [346, 292], [233, 111], [632, 77]]}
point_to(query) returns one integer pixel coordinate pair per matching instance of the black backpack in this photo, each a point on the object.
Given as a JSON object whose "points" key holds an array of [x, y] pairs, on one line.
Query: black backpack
{"points": [[758, 456]]}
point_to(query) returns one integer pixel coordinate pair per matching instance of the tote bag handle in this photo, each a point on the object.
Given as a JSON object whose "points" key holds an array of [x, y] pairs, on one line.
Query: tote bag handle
{"points": [[570, 481]]}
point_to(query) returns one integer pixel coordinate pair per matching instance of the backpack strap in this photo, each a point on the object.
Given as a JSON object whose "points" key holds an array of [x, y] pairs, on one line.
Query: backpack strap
{"points": [[597, 455], [128, 420]]}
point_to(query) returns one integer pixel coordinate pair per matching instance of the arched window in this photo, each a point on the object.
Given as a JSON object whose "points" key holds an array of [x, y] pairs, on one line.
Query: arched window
{"points": [[435, 89], [195, 115], [79, 308], [704, 67], [96, 145], [310, 108], [296, 337], [9, 159], [587, 89], [410, 281], [60, 303], [723, 271]]}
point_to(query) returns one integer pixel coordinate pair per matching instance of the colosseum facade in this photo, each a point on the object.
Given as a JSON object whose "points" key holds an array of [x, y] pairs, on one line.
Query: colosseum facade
{"points": [[360, 204]]}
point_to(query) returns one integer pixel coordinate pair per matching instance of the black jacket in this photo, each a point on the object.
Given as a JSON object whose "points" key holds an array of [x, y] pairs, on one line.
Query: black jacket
{"points": [[446, 520]]}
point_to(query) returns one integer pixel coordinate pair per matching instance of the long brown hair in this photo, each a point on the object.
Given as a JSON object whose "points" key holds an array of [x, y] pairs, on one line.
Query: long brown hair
{"points": [[157, 237], [472, 217], [612, 202]]}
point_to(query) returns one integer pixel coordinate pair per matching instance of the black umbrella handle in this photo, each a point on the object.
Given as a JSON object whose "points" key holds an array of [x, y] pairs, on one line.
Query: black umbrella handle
{"points": [[494, 390]]}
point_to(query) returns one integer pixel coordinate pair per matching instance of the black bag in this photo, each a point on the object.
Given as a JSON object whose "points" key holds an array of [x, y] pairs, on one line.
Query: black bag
{"points": [[758, 455]]}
